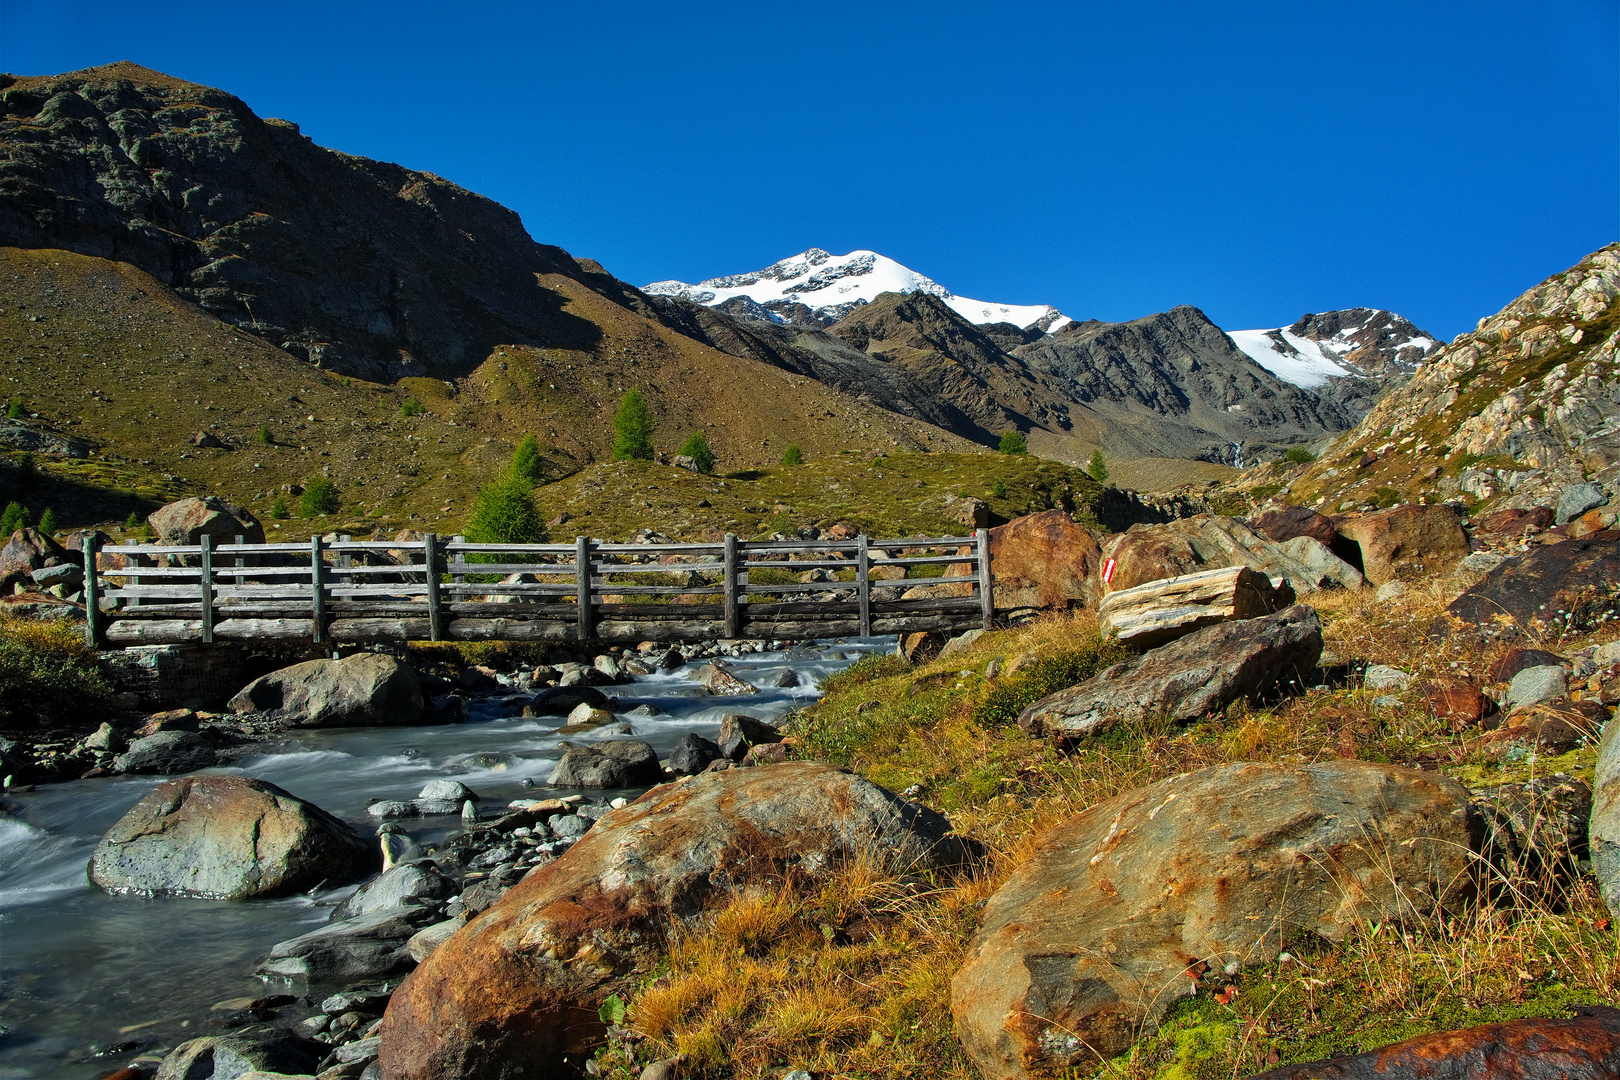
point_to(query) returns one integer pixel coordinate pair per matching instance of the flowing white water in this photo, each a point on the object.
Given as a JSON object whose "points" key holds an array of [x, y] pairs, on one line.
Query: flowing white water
{"points": [[81, 971]]}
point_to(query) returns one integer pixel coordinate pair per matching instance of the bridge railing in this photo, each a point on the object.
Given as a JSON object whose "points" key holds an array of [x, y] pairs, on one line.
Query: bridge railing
{"points": [[445, 588]]}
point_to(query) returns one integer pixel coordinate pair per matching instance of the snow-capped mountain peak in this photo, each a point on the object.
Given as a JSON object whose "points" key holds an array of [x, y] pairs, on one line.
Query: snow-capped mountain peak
{"points": [[831, 286], [1366, 342]]}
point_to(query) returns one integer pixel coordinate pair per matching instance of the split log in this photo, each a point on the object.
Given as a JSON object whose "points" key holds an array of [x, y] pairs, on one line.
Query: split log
{"points": [[1160, 611]]}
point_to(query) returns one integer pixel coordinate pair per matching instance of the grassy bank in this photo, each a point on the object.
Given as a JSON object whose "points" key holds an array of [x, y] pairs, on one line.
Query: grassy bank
{"points": [[850, 977]]}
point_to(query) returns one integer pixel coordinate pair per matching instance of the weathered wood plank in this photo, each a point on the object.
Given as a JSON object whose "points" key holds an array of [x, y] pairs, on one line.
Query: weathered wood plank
{"points": [[380, 630], [154, 631]]}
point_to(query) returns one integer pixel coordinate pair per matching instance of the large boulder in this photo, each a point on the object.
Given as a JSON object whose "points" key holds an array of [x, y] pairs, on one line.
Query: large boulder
{"points": [[28, 550], [1554, 589], [186, 521], [1043, 560], [1191, 677], [1585, 1046], [359, 690], [166, 753], [229, 838], [1282, 523], [1145, 553], [616, 764], [1603, 833], [1162, 611], [1106, 925], [231, 1057], [1407, 542], [519, 987]]}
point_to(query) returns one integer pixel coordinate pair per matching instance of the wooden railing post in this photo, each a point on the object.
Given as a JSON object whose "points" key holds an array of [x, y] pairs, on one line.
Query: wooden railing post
{"points": [[582, 590], [458, 563], [92, 592], [240, 561], [863, 583], [730, 628], [205, 559], [134, 601], [317, 591], [987, 602], [430, 570]]}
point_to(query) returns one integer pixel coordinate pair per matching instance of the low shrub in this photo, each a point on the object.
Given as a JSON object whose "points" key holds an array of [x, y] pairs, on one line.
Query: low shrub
{"points": [[320, 497], [1043, 676], [48, 675]]}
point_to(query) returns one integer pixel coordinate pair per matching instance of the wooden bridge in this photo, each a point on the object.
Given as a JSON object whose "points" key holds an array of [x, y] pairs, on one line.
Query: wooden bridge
{"points": [[446, 589]]}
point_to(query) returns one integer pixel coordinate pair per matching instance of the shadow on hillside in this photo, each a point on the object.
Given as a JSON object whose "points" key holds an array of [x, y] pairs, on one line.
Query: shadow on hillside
{"points": [[74, 504]]}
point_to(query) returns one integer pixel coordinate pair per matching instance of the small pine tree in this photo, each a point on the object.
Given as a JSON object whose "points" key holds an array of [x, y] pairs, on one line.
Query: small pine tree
{"points": [[47, 522], [278, 509], [696, 447], [264, 436], [527, 464], [632, 429], [15, 409], [1097, 468], [133, 521], [1298, 455], [320, 497], [792, 456], [999, 488], [412, 407], [506, 514], [15, 517], [1014, 443]]}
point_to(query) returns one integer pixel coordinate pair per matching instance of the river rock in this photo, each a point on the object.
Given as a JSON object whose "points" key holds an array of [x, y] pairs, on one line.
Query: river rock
{"points": [[28, 550], [520, 986], [232, 1057], [692, 755], [229, 838], [738, 733], [1043, 560], [365, 689], [562, 700], [614, 764], [1281, 523], [1557, 588], [1583, 1047], [720, 680], [396, 888], [166, 754], [1407, 542], [425, 940], [1188, 678], [453, 790], [366, 947], [1089, 942], [1604, 830], [186, 521]]}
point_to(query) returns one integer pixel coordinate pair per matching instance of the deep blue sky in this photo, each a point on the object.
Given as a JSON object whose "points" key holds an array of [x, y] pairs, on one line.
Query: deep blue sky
{"points": [[1257, 160]]}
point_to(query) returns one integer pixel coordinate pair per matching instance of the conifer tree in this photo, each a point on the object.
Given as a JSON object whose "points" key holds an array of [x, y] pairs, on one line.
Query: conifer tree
{"points": [[632, 429]]}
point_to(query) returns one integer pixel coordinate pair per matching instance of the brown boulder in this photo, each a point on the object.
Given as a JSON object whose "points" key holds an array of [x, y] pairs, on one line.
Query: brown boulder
{"points": [[172, 720], [1111, 918], [1286, 522], [1513, 522], [1585, 1047], [1510, 663], [363, 689], [29, 550], [1162, 611], [1043, 560], [1550, 727], [1191, 677], [227, 838], [1407, 542], [1147, 553], [1458, 701], [519, 987], [1567, 587], [186, 521]]}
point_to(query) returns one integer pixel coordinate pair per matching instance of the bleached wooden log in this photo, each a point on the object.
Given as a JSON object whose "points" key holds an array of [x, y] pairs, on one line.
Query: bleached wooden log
{"points": [[1159, 611]]}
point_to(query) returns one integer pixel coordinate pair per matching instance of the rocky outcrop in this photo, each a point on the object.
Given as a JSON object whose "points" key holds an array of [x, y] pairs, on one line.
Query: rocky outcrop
{"points": [[1043, 560], [1081, 950], [365, 689], [28, 550], [1407, 542], [1567, 587], [1186, 679], [187, 521], [520, 986], [227, 838], [1583, 1047], [1147, 553]]}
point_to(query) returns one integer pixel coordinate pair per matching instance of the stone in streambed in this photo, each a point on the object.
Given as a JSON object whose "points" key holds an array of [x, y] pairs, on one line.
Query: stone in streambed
{"points": [[561, 700], [231, 1057], [739, 733], [367, 947], [720, 680], [226, 837], [692, 755], [619, 763], [167, 753], [366, 689], [406, 885], [446, 789]]}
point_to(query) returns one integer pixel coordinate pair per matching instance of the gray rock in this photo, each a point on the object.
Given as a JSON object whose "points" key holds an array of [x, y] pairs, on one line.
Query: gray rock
{"points": [[739, 733], [584, 716], [365, 1001], [366, 689], [1384, 677], [104, 738], [1390, 590], [1482, 562], [1603, 833], [1188, 678], [720, 680], [569, 826], [369, 947], [618, 763], [960, 642], [781, 680], [65, 574], [692, 755], [186, 521], [230, 1057], [358, 1051], [226, 837], [389, 809], [1534, 685], [425, 940], [397, 888], [645, 711], [166, 754], [446, 789], [561, 700], [1576, 500], [433, 807], [609, 667]]}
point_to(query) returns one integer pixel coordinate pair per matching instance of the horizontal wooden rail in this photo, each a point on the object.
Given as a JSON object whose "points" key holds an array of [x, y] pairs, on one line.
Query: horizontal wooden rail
{"points": [[436, 588]]}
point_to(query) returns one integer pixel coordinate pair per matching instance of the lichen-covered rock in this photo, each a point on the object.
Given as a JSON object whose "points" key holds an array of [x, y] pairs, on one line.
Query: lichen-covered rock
{"points": [[1108, 922], [1147, 553], [1043, 560], [365, 689], [166, 753], [1569, 587], [230, 1057], [228, 838], [1603, 833], [519, 987], [28, 550]]}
